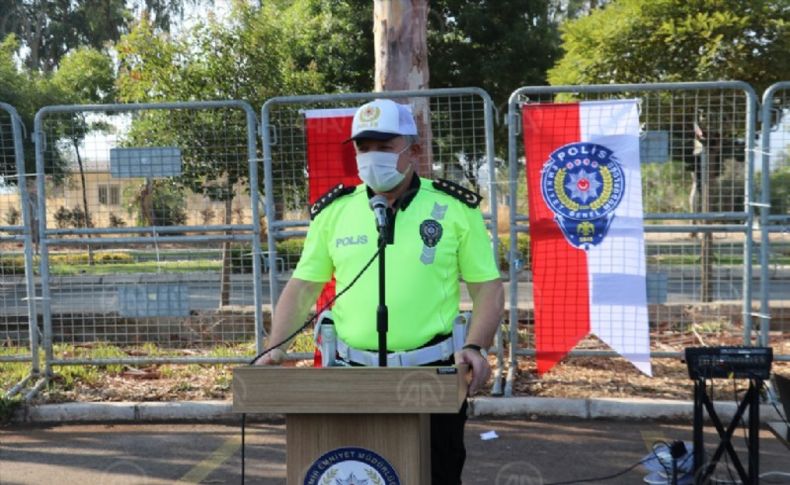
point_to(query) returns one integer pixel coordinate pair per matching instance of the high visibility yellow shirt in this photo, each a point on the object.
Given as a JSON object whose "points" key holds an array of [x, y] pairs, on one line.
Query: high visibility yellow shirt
{"points": [[437, 239]]}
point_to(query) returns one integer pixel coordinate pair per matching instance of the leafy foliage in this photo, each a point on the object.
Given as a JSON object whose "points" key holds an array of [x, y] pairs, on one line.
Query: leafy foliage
{"points": [[85, 76], [495, 45], [49, 30], [635, 41], [780, 190], [160, 203], [249, 57]]}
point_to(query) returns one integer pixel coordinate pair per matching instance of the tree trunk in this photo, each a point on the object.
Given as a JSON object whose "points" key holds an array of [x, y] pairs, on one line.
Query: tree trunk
{"points": [[84, 198], [147, 215], [706, 247], [401, 47], [224, 290]]}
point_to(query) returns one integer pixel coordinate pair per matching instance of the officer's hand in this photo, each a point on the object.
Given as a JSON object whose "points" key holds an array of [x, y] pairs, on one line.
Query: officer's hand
{"points": [[479, 366], [274, 357]]}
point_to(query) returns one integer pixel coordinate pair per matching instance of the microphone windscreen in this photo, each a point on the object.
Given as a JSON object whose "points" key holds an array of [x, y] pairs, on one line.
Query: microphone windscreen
{"points": [[378, 202]]}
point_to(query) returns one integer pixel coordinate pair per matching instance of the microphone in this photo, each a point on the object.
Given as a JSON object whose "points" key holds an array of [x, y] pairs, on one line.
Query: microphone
{"points": [[379, 205]]}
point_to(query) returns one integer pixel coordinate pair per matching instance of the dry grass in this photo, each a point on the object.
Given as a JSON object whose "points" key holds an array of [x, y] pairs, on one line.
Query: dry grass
{"points": [[578, 377]]}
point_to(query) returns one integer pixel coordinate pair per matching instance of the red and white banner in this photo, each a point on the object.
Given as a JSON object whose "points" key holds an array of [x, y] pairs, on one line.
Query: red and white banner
{"points": [[586, 228]]}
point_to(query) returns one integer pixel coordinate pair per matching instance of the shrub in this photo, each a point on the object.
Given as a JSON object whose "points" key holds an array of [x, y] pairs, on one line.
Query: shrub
{"points": [[69, 258], [207, 215], [82, 258], [116, 257], [12, 264], [8, 406], [290, 250], [12, 216], [162, 203], [75, 217], [522, 246], [116, 221], [240, 259], [78, 219], [780, 191], [62, 218]]}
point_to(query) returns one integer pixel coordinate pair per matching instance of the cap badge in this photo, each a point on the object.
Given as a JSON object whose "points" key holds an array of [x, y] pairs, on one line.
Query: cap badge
{"points": [[369, 114]]}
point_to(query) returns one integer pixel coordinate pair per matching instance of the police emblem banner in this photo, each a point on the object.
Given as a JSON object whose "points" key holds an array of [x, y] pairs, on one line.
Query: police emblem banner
{"points": [[586, 228]]}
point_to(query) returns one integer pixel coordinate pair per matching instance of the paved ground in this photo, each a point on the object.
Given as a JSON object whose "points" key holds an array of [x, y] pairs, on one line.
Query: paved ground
{"points": [[527, 452]]}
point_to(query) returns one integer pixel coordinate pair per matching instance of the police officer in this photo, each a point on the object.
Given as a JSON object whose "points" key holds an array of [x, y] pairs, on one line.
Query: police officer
{"points": [[437, 235]]}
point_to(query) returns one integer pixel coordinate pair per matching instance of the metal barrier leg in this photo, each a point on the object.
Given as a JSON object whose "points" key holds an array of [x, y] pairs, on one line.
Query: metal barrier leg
{"points": [[496, 389]]}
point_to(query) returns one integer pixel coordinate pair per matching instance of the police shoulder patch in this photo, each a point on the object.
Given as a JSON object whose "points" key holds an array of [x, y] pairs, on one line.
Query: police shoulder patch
{"points": [[468, 197], [332, 195]]}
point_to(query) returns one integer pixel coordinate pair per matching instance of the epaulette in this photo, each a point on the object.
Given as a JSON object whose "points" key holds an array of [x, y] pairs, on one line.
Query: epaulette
{"points": [[468, 197], [323, 202]]}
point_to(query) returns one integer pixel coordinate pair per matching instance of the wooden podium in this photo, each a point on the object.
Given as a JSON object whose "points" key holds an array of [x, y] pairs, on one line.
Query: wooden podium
{"points": [[381, 410]]}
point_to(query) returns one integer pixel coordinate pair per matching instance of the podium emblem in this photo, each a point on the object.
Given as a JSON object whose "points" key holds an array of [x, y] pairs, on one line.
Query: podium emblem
{"points": [[351, 466]]}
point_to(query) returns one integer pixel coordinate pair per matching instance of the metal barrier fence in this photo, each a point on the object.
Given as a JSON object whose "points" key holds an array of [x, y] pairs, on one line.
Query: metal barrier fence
{"points": [[774, 218], [459, 134], [697, 153], [18, 328], [146, 219], [150, 233]]}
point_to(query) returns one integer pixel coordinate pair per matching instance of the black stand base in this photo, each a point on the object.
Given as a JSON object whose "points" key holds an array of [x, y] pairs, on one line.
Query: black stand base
{"points": [[702, 470]]}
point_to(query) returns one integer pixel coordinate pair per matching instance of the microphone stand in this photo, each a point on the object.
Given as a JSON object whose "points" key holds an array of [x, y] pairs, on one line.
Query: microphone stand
{"points": [[382, 314]]}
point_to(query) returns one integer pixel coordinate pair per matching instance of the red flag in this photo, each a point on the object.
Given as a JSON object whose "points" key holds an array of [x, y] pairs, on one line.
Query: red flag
{"points": [[559, 270], [329, 162]]}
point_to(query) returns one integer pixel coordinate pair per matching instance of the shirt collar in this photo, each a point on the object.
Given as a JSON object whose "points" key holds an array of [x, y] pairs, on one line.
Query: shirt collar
{"points": [[405, 199]]}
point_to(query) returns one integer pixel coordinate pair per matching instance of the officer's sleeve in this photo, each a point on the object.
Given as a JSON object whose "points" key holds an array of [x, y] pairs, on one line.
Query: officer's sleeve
{"points": [[475, 256], [315, 264]]}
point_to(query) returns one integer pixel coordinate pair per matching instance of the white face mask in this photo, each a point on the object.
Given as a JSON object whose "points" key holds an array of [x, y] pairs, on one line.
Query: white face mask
{"points": [[379, 170]]}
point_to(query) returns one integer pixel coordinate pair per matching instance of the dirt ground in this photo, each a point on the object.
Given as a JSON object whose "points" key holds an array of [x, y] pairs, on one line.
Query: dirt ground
{"points": [[576, 377]]}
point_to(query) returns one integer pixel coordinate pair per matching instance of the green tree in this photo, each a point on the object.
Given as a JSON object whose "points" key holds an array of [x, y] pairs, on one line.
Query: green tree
{"points": [[163, 14], [252, 56], [639, 41], [14, 90], [27, 91], [50, 29], [496, 45], [85, 75], [334, 36], [635, 41], [157, 203]]}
